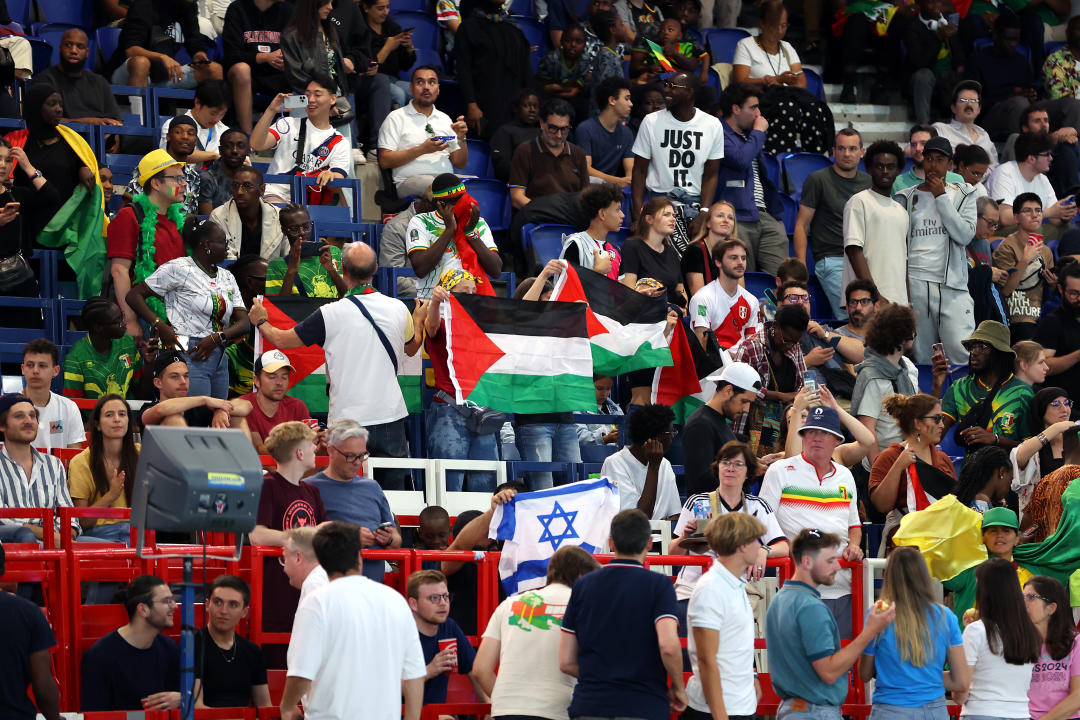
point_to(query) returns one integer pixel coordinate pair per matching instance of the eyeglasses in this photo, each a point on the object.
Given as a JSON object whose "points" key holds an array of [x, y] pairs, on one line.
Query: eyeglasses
{"points": [[1031, 211], [436, 598], [992, 224], [352, 457], [178, 179], [935, 418], [243, 187], [669, 434], [284, 555], [1061, 402], [1032, 597], [737, 464], [794, 299], [968, 101], [670, 84], [856, 302], [297, 229], [558, 129], [1046, 154], [170, 601]]}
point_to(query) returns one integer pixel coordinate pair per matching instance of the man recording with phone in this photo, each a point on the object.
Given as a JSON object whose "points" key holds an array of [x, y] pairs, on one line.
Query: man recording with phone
{"points": [[1027, 174], [1028, 262], [312, 266]]}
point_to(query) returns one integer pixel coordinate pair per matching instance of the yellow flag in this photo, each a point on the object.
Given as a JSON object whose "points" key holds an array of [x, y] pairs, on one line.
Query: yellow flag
{"points": [[948, 534]]}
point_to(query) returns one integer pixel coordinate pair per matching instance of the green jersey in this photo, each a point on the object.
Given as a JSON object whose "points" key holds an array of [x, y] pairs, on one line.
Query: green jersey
{"points": [[241, 356], [1008, 410], [311, 276], [89, 374]]}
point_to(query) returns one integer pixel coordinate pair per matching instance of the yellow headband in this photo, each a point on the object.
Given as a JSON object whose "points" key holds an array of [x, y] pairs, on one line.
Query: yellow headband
{"points": [[453, 277]]}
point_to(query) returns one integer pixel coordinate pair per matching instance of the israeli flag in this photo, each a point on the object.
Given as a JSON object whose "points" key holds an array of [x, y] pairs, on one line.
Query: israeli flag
{"points": [[536, 524]]}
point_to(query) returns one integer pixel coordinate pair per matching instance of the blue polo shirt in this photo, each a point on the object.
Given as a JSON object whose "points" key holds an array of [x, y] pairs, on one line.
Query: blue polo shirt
{"points": [[613, 612], [799, 629], [361, 502]]}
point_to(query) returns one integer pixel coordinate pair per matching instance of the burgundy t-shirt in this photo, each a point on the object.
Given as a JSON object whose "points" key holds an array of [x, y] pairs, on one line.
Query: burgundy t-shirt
{"points": [[283, 506], [288, 409]]}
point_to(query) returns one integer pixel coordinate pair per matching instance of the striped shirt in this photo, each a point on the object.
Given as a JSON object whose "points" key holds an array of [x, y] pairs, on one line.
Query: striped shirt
{"points": [[47, 487]]}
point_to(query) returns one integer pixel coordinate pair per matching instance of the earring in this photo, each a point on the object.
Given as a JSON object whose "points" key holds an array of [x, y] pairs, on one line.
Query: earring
{"points": [[918, 438]]}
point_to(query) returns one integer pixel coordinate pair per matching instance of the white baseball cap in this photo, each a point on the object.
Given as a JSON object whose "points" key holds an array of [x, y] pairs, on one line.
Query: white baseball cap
{"points": [[739, 374], [272, 360]]}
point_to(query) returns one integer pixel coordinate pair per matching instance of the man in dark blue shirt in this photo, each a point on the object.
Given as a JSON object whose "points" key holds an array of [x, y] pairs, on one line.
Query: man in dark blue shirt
{"points": [[134, 667], [620, 634], [24, 658], [446, 647], [607, 142]]}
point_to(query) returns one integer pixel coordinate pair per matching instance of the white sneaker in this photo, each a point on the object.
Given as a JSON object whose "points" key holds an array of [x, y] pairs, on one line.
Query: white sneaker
{"points": [[358, 156]]}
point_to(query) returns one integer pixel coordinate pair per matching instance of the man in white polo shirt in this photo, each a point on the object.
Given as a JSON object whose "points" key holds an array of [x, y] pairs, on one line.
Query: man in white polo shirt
{"points": [[721, 639], [811, 491], [419, 141], [363, 335]]}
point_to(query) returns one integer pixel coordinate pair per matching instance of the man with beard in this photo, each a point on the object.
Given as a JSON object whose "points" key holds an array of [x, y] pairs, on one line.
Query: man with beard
{"points": [[252, 226], [942, 225], [709, 427], [990, 365], [807, 664], [216, 181], [821, 214], [1059, 333], [917, 138], [724, 307], [86, 96], [180, 142], [862, 298], [413, 140], [550, 163], [135, 667], [270, 406]]}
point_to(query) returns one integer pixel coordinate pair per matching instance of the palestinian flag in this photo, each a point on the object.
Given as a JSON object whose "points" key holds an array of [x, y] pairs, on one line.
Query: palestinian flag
{"points": [[308, 383], [682, 385], [517, 356], [626, 328]]}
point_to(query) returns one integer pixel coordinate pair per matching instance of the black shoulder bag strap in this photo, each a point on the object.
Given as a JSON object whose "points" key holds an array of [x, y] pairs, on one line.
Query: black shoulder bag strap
{"points": [[378, 331], [300, 140]]}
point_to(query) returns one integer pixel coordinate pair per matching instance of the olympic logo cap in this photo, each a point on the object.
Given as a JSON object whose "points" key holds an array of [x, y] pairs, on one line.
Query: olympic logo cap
{"points": [[154, 162], [823, 418]]}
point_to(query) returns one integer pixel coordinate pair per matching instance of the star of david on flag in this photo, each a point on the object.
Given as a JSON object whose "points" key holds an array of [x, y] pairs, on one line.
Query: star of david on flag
{"points": [[536, 524]]}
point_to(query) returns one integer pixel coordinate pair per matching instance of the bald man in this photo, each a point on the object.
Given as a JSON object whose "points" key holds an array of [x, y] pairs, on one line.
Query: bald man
{"points": [[357, 332], [86, 96]]}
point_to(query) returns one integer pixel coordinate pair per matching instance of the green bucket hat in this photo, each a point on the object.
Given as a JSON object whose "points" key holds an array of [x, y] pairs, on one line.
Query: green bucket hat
{"points": [[993, 334]]}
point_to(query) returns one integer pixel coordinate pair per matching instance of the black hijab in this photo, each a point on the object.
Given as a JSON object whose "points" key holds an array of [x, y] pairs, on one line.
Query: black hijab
{"points": [[33, 102]]}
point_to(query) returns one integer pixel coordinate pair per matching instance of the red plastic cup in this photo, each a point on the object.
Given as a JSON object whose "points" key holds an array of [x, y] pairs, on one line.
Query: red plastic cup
{"points": [[450, 643]]}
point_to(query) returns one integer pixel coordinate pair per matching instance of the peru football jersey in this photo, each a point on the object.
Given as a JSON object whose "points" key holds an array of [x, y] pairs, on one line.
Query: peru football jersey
{"points": [[730, 317]]}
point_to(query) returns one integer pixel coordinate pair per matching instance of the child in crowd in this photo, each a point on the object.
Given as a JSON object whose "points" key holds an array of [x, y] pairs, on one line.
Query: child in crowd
{"points": [[433, 533], [602, 433], [688, 12], [682, 54], [564, 74]]}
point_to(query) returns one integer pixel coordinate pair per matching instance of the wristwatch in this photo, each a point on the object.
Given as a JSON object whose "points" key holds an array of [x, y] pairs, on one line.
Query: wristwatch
{"points": [[260, 323], [36, 175]]}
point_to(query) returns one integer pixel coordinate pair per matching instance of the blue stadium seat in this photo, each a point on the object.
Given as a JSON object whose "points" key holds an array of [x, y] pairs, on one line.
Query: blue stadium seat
{"points": [[40, 54], [798, 166], [64, 11], [494, 200], [522, 7], [426, 32], [68, 309], [330, 213], [19, 11], [597, 453], [758, 282], [420, 6], [791, 211], [620, 236], [722, 41], [535, 33], [820, 309], [714, 81], [424, 56], [52, 36], [986, 42], [108, 39], [25, 335], [772, 169], [814, 84], [348, 185], [479, 163], [186, 98], [546, 239]]}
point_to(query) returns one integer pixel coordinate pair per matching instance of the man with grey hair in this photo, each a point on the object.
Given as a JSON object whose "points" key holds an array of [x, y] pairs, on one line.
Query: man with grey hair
{"points": [[301, 565], [350, 497], [365, 335]]}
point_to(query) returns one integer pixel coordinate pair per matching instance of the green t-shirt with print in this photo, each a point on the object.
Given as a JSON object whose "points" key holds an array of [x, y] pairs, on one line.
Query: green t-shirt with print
{"points": [[1008, 410], [90, 374], [311, 279]]}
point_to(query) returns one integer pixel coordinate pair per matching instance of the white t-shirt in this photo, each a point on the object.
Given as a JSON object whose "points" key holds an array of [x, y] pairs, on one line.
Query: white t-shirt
{"points": [[59, 424], [678, 151], [730, 317], [997, 688], [323, 150], [624, 468], [353, 350], [315, 580], [749, 53], [371, 625], [196, 303], [878, 224], [209, 138], [803, 500], [529, 680], [928, 239], [719, 603], [751, 505], [1006, 182], [405, 128], [423, 232]]}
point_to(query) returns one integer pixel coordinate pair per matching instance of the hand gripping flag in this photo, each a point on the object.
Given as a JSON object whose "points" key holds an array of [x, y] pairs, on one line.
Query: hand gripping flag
{"points": [[626, 328], [536, 524]]}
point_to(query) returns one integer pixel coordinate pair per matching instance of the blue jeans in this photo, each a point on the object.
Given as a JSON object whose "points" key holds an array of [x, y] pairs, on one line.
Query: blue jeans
{"points": [[933, 710], [812, 712], [830, 273], [116, 533], [399, 92], [209, 377], [547, 442], [389, 440], [17, 534], [447, 437], [121, 76]]}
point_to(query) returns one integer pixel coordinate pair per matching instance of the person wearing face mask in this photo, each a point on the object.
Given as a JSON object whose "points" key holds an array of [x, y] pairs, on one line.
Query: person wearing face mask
{"points": [[146, 234]]}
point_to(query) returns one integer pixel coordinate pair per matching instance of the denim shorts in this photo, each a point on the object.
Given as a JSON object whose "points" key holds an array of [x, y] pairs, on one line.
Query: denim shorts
{"points": [[933, 710]]}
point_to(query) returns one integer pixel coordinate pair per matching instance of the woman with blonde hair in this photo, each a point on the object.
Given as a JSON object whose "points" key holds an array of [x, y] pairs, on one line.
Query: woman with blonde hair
{"points": [[700, 264], [1031, 365], [907, 657]]}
